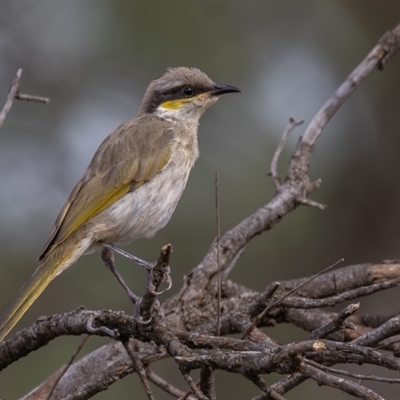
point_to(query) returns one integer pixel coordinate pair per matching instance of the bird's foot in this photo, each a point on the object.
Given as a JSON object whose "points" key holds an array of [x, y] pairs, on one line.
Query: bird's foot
{"points": [[143, 263], [107, 257], [157, 273]]}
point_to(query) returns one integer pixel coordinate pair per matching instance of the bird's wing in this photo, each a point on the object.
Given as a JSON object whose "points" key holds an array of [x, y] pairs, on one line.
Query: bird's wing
{"points": [[127, 158]]}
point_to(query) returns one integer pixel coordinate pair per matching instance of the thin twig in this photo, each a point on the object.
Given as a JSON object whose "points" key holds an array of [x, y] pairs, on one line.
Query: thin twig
{"points": [[260, 383], [163, 384], [65, 369], [287, 383], [30, 97], [139, 368], [350, 374], [219, 289], [312, 203], [192, 384], [307, 303], [344, 385], [11, 96], [275, 303], [13, 93], [274, 163], [335, 324], [186, 396]]}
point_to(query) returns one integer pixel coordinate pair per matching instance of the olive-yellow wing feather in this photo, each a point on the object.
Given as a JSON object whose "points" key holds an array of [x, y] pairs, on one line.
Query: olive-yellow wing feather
{"points": [[125, 160], [128, 157]]}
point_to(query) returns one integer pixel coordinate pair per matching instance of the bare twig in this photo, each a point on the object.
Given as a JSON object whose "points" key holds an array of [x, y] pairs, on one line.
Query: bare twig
{"points": [[301, 302], [192, 384], [65, 369], [346, 386], [386, 330], [275, 303], [13, 93], [139, 368], [345, 278], [163, 384], [312, 203], [360, 377], [219, 289], [260, 383], [29, 97], [274, 163], [336, 324], [287, 383], [10, 97]]}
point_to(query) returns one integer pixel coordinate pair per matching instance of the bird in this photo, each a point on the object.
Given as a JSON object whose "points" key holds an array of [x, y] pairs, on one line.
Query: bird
{"points": [[132, 184]]}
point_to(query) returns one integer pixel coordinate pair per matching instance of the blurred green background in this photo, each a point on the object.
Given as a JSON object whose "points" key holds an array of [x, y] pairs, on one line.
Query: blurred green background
{"points": [[95, 60]]}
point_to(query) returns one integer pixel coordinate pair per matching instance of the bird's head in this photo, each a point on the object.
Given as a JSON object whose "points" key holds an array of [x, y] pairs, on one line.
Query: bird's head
{"points": [[182, 94]]}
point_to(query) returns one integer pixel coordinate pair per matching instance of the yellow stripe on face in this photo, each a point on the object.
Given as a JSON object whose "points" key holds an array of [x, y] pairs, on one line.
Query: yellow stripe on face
{"points": [[175, 104]]}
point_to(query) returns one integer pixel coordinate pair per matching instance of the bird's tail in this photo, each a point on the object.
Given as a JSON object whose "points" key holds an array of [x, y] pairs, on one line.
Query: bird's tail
{"points": [[44, 274]]}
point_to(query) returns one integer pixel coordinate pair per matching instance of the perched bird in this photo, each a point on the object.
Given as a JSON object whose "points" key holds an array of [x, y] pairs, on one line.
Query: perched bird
{"points": [[133, 183]]}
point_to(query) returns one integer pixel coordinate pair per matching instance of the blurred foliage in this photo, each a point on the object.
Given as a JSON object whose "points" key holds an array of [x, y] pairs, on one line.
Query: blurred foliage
{"points": [[94, 62]]}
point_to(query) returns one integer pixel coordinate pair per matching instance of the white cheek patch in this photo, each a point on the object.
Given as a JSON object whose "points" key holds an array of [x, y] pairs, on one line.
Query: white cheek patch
{"points": [[189, 112], [168, 113]]}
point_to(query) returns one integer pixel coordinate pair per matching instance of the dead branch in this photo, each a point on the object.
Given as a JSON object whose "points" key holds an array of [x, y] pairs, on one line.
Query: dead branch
{"points": [[13, 93]]}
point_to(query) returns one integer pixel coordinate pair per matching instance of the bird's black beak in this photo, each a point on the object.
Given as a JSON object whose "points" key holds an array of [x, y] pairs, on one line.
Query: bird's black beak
{"points": [[222, 89]]}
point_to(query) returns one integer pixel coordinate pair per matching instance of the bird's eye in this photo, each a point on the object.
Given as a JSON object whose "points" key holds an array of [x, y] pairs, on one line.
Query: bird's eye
{"points": [[188, 91]]}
